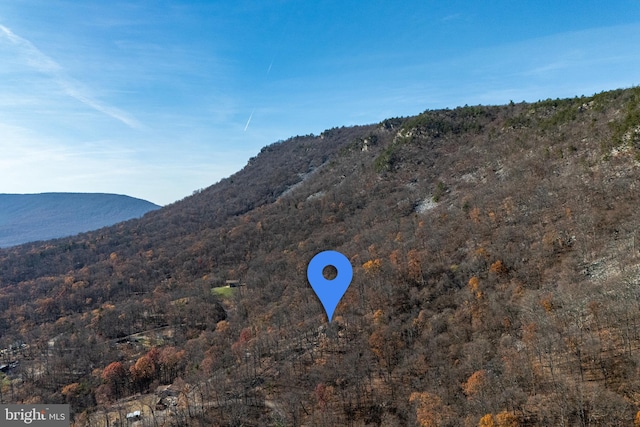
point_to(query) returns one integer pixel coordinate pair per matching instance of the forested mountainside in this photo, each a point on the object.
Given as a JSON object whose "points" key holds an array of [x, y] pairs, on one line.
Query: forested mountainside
{"points": [[32, 217], [496, 282]]}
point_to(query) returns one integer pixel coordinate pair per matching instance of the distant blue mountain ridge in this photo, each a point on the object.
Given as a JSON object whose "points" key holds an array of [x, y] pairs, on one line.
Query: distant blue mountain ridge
{"points": [[31, 217]]}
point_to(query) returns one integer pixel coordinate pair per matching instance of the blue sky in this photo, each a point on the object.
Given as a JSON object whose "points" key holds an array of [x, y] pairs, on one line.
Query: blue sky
{"points": [[156, 99]]}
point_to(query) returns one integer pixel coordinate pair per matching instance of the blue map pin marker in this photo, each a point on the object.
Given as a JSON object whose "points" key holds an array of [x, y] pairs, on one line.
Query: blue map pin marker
{"points": [[329, 291]]}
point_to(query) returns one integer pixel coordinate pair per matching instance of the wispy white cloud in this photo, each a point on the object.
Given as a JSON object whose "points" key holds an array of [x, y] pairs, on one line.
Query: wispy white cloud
{"points": [[34, 57], [452, 17], [37, 60]]}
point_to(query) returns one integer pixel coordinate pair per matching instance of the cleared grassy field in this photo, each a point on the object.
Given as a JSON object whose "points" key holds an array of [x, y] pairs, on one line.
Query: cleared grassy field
{"points": [[224, 291]]}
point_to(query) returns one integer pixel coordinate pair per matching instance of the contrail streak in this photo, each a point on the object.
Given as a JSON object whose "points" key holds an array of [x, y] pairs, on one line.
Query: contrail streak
{"points": [[249, 121], [41, 62]]}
